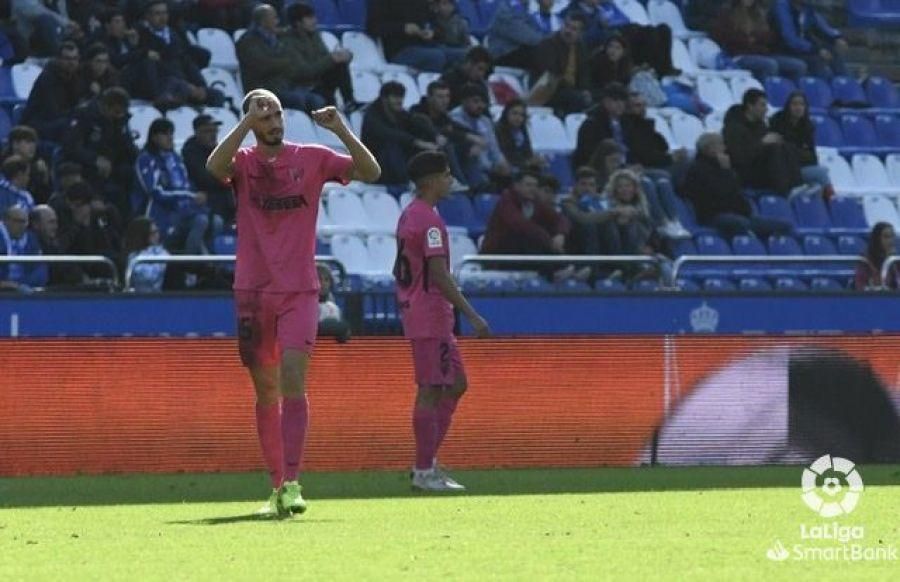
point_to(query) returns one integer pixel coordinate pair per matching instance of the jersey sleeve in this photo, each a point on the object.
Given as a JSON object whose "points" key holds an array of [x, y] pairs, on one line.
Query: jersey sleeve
{"points": [[435, 240], [335, 167], [239, 169]]}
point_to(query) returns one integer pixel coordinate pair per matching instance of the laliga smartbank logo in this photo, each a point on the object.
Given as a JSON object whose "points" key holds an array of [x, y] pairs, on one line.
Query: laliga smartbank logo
{"points": [[831, 487]]}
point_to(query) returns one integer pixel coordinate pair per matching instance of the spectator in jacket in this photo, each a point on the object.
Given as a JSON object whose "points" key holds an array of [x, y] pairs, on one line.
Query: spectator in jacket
{"points": [[521, 225], [455, 140], [611, 63], [475, 69], [23, 143], [652, 45], [882, 244], [604, 122], [450, 29], [174, 63], [44, 24], [514, 35], [564, 58], [715, 190], [45, 225], [393, 134], [195, 152], [100, 140], [16, 175], [169, 195], [17, 240], [794, 125], [485, 163], [142, 239], [761, 157], [406, 33], [55, 94], [97, 72], [125, 54], [742, 29], [331, 321], [806, 34], [268, 63], [512, 137], [315, 67], [84, 229]]}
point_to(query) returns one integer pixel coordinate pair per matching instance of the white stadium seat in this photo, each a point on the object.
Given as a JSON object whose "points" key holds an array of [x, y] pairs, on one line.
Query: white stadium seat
{"points": [[714, 121], [715, 92], [704, 52], [139, 123], [221, 45], [23, 77], [635, 11], [664, 12], [686, 129], [740, 85], [299, 127], [346, 210], [405, 199], [870, 172], [382, 253], [460, 246], [366, 85], [548, 133], [383, 210], [841, 175], [424, 79], [367, 55], [892, 162], [573, 124], [662, 126], [351, 252], [224, 81], [331, 41], [183, 119], [880, 209]]}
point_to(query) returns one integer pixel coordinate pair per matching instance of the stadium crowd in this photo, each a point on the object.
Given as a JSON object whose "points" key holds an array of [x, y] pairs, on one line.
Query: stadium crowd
{"points": [[76, 180]]}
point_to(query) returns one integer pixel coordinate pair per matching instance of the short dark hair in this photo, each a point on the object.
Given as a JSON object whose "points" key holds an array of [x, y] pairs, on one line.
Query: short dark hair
{"points": [[392, 88], [115, 96], [107, 15], [578, 16], [751, 96], [479, 54], [66, 46], [14, 165], [68, 169], [97, 48], [437, 86], [299, 11], [22, 133], [586, 172], [528, 173], [426, 164], [548, 181]]}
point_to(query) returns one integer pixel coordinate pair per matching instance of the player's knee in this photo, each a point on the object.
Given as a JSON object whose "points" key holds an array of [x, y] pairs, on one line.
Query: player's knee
{"points": [[459, 387]]}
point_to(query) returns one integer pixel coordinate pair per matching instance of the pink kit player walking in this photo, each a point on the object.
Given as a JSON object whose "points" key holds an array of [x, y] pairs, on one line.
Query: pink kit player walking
{"points": [[427, 294], [277, 185]]}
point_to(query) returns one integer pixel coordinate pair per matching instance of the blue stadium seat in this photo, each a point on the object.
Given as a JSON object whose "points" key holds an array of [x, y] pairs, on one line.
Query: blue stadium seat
{"points": [[828, 132], [225, 244], [825, 284], [504, 285], [609, 286], [817, 244], [687, 217], [784, 245], [882, 95], [645, 285], [536, 285], [353, 13], [859, 136], [776, 207], [5, 124], [848, 90], [682, 246], [778, 89], [484, 206], [479, 13], [754, 284], [456, 210], [322, 247], [718, 284], [710, 244], [874, 13], [847, 216], [561, 168], [817, 92], [789, 284], [745, 245], [887, 128], [686, 284], [812, 214], [573, 286], [328, 14], [848, 244]]}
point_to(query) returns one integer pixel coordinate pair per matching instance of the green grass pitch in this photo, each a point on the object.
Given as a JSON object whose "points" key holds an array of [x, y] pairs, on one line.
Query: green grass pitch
{"points": [[559, 524]]}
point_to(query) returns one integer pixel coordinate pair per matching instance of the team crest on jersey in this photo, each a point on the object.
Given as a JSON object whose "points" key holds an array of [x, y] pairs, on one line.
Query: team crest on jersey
{"points": [[435, 240]]}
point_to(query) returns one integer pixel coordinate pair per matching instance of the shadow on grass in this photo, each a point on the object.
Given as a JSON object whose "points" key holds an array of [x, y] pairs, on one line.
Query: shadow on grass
{"points": [[250, 517], [224, 487]]}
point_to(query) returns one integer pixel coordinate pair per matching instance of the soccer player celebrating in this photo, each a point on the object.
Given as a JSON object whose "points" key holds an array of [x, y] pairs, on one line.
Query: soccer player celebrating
{"points": [[277, 186], [427, 294]]}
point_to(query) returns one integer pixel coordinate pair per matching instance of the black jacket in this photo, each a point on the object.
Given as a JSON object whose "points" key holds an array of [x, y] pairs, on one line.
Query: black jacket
{"points": [[553, 55], [387, 19], [179, 58], [595, 129], [381, 130], [713, 190], [221, 197], [442, 123], [54, 96], [801, 135], [646, 146], [743, 139], [91, 135]]}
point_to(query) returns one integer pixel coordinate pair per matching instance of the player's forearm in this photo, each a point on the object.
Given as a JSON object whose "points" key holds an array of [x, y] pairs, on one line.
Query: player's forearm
{"points": [[451, 293], [365, 166], [219, 161]]}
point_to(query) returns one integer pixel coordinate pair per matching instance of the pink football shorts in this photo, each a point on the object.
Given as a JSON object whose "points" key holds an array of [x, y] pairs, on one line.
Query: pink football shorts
{"points": [[271, 322], [437, 361]]}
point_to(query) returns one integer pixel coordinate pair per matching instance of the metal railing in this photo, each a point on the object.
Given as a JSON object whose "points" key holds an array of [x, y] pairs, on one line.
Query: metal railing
{"points": [[72, 259], [129, 272], [555, 259], [716, 259]]}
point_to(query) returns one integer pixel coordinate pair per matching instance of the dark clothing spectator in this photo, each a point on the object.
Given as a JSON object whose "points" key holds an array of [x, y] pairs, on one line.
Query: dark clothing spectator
{"points": [[805, 33], [97, 72], [760, 161], [22, 141], [267, 63], [568, 65], [514, 35], [406, 35], [715, 191], [221, 197], [519, 227], [450, 29], [316, 67], [42, 24], [54, 97], [646, 146], [611, 64], [86, 229], [45, 226], [595, 129], [800, 133], [470, 71], [515, 145], [100, 140], [394, 135]]}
